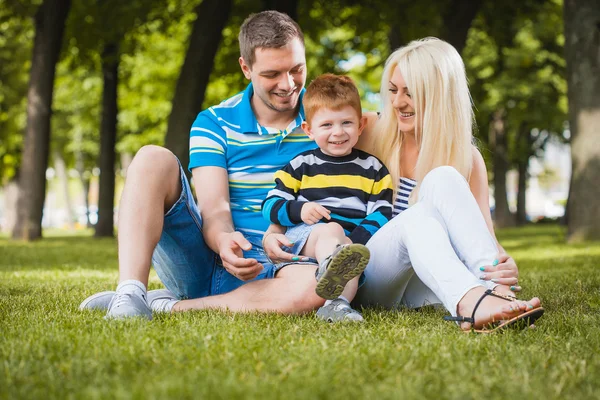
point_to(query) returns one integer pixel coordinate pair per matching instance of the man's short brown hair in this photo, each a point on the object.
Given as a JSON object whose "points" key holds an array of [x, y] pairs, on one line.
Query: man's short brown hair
{"points": [[331, 91], [268, 29]]}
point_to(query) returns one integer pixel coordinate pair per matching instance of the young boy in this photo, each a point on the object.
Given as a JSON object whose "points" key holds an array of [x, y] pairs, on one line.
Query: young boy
{"points": [[347, 188]]}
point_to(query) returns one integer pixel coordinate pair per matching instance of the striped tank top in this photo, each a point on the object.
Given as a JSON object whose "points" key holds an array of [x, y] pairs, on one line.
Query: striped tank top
{"points": [[405, 187]]}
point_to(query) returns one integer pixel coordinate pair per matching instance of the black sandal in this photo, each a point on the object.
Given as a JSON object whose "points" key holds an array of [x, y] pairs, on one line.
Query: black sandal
{"points": [[520, 321]]}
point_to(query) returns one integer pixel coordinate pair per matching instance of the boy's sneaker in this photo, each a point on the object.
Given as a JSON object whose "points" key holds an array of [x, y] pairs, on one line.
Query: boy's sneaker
{"points": [[129, 301], [339, 310], [346, 262]]}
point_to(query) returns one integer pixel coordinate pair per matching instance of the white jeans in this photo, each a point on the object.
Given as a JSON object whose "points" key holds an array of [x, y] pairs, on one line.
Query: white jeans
{"points": [[431, 252]]}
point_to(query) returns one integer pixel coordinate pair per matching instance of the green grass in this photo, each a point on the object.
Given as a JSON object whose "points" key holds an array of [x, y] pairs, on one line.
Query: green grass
{"points": [[49, 349]]}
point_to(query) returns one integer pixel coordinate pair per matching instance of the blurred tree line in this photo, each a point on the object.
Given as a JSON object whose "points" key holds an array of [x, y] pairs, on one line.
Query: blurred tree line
{"points": [[84, 84]]}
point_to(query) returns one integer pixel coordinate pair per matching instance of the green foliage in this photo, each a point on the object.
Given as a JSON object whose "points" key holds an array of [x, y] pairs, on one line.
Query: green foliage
{"points": [[16, 42], [513, 57], [51, 350], [519, 67]]}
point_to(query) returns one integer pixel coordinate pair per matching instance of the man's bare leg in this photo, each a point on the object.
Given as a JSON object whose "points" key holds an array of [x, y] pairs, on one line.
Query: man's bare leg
{"points": [[292, 291], [152, 186]]}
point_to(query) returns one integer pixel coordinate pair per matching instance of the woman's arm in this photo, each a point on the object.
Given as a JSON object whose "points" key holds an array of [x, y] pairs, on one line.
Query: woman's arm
{"points": [[480, 189], [504, 270]]}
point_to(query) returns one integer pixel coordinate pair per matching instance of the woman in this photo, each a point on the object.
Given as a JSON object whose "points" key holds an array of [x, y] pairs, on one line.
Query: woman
{"points": [[440, 249]]}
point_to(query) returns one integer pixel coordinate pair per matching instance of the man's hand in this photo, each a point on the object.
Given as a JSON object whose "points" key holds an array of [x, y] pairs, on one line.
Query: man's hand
{"points": [[504, 271], [313, 212], [272, 243], [231, 246]]}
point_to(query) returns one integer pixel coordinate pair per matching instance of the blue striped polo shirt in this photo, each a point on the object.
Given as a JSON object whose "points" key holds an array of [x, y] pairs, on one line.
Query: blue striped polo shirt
{"points": [[229, 136]]}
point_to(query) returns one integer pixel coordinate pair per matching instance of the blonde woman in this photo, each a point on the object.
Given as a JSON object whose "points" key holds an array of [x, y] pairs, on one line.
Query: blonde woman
{"points": [[440, 246]]}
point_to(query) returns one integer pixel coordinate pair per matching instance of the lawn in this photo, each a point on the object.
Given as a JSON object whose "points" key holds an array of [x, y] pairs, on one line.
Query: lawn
{"points": [[49, 349]]}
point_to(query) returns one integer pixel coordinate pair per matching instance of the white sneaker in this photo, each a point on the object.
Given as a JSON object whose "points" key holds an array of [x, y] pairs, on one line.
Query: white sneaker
{"points": [[158, 299], [98, 301], [129, 301], [339, 310]]}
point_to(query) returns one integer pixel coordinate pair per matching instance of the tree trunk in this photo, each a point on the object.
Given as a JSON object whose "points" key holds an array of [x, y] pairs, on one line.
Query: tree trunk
{"points": [[582, 54], [49, 28], [11, 197], [457, 20], [290, 7], [522, 194], [395, 37], [502, 215], [524, 152], [63, 181], [108, 139], [205, 38]]}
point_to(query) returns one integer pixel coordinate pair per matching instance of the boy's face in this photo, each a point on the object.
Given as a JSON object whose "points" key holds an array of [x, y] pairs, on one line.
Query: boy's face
{"points": [[278, 76], [336, 132]]}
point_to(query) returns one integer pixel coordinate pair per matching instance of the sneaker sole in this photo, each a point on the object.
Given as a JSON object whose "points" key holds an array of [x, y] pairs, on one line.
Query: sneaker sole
{"points": [[350, 262]]}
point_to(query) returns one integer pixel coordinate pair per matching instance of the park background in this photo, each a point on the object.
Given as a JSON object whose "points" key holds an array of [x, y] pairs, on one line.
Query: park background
{"points": [[85, 83]]}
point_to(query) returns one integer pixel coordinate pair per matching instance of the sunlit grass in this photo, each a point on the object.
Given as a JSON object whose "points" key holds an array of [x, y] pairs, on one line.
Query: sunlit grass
{"points": [[49, 349]]}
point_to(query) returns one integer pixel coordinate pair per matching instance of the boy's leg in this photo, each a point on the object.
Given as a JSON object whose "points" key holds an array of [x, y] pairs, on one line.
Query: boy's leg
{"points": [[322, 243], [323, 240]]}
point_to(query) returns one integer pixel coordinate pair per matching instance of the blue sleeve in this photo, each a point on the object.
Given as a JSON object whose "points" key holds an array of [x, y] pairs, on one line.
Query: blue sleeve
{"points": [[208, 143], [280, 206], [379, 208]]}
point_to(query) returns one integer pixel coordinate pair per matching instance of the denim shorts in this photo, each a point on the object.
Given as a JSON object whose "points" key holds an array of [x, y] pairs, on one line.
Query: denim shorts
{"points": [[297, 234], [184, 262]]}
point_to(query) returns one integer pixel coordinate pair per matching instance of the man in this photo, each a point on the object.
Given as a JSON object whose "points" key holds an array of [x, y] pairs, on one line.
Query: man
{"points": [[211, 253]]}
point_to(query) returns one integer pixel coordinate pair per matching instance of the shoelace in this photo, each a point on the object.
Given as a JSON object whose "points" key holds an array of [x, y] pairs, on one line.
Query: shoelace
{"points": [[121, 299]]}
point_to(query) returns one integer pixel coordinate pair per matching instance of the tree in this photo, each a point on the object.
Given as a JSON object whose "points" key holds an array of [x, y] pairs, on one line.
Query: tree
{"points": [[582, 53], [49, 28], [516, 70], [108, 139], [211, 17]]}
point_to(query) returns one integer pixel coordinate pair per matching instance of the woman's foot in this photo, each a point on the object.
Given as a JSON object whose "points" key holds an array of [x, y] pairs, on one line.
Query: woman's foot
{"points": [[491, 309], [505, 290]]}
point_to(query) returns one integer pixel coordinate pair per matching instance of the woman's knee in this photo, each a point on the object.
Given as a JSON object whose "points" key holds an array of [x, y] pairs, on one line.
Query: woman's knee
{"points": [[442, 179]]}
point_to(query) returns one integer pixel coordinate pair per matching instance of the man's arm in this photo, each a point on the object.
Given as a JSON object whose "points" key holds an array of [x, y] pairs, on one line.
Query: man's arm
{"points": [[218, 230]]}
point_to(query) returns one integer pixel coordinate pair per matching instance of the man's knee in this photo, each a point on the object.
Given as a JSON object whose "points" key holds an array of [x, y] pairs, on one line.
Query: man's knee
{"points": [[156, 170], [300, 295], [151, 159]]}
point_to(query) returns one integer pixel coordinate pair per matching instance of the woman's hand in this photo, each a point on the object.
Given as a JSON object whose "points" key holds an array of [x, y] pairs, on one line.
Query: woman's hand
{"points": [[503, 271]]}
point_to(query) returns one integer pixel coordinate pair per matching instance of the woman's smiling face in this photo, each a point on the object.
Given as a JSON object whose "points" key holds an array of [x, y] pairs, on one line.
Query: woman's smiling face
{"points": [[402, 102]]}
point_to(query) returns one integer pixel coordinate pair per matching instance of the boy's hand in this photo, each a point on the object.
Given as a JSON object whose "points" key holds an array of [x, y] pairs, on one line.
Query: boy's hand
{"points": [[231, 246], [313, 212]]}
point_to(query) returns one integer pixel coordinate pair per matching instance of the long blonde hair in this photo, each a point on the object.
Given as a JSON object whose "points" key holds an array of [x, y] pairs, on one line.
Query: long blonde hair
{"points": [[435, 77]]}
